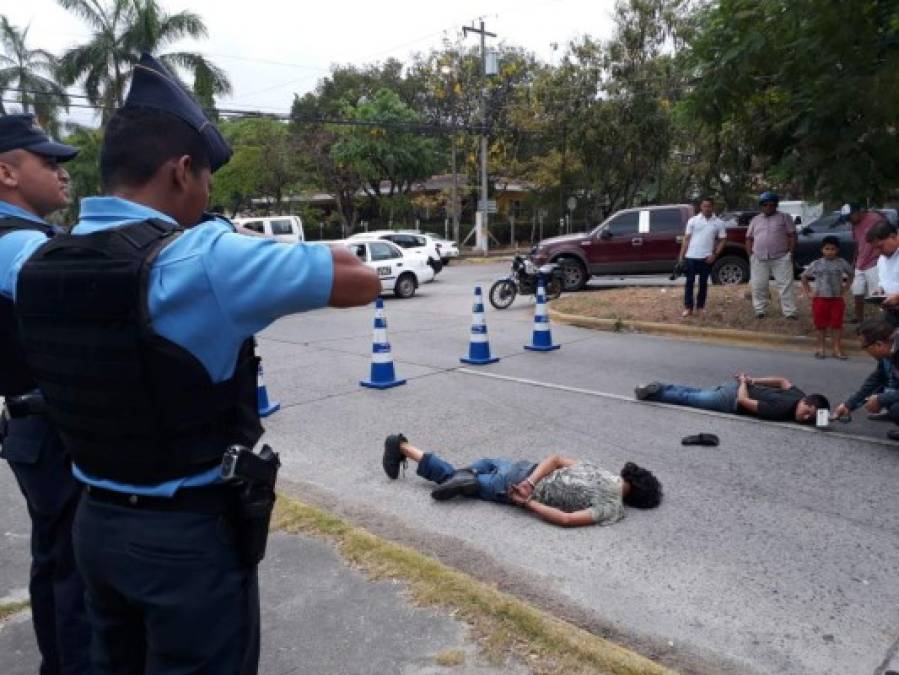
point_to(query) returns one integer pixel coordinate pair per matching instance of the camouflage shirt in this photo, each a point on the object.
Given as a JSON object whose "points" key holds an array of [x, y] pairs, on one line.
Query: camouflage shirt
{"points": [[583, 486]]}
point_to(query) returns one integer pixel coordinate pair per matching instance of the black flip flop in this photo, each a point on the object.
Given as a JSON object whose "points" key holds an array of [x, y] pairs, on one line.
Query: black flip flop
{"points": [[700, 439]]}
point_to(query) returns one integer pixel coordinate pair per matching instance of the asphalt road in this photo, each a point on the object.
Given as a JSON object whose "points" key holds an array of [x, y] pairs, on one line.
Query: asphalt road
{"points": [[775, 552]]}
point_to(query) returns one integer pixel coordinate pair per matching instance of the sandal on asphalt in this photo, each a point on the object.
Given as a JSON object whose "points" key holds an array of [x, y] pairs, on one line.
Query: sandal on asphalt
{"points": [[820, 355], [841, 357], [393, 456], [700, 439], [893, 435]]}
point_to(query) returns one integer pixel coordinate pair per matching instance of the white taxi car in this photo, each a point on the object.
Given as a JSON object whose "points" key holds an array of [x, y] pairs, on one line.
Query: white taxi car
{"points": [[399, 270], [408, 240]]}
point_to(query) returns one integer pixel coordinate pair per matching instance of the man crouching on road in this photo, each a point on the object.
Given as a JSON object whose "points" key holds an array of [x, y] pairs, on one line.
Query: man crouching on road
{"points": [[769, 398], [558, 490], [879, 393]]}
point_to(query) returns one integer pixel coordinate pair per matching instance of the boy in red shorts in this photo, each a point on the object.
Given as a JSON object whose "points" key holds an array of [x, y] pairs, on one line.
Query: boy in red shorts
{"points": [[833, 277]]}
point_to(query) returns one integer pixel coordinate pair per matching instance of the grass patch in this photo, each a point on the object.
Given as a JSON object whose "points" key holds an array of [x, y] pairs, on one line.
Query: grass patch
{"points": [[503, 623], [449, 658], [10, 608], [726, 307]]}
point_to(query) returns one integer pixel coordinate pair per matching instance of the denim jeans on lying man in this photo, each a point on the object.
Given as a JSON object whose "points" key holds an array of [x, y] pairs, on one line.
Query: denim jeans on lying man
{"points": [[722, 398], [495, 476]]}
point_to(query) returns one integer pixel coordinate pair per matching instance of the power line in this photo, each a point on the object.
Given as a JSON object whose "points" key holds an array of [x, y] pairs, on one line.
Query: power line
{"points": [[419, 127]]}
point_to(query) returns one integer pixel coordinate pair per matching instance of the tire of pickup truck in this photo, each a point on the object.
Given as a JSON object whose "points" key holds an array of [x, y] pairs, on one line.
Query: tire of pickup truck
{"points": [[574, 274], [730, 270]]}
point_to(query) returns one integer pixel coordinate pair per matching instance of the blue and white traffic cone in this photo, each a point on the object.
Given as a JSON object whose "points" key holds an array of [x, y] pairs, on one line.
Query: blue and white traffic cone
{"points": [[542, 340], [382, 373], [265, 406], [478, 346]]}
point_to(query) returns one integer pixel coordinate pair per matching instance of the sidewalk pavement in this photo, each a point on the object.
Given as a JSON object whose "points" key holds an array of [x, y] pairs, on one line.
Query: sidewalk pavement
{"points": [[318, 615]]}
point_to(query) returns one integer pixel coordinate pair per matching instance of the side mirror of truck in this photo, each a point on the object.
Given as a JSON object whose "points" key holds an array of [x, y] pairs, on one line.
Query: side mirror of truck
{"points": [[605, 234]]}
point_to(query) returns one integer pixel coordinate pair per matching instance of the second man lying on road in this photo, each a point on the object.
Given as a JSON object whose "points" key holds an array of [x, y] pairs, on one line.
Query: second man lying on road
{"points": [[559, 490], [770, 398]]}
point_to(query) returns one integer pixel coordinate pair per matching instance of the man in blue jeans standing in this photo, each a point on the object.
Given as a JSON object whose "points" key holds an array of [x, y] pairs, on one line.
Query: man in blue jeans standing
{"points": [[770, 398], [703, 242], [559, 490]]}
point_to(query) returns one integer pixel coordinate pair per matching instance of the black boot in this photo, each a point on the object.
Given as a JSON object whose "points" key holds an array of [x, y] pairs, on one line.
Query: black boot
{"points": [[463, 482]]}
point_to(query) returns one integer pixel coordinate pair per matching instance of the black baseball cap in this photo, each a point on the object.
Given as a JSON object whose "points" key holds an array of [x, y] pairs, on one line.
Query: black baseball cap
{"points": [[21, 132]]}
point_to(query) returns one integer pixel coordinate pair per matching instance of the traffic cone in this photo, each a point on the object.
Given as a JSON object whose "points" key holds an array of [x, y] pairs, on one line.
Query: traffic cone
{"points": [[478, 346], [265, 406], [542, 340], [382, 373]]}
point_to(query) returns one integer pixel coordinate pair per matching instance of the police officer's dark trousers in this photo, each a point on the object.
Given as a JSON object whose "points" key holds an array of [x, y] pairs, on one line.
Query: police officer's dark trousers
{"points": [[43, 471], [166, 590]]}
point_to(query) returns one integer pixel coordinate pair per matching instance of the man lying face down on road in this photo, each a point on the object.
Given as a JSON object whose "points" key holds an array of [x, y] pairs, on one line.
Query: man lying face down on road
{"points": [[770, 398], [559, 490]]}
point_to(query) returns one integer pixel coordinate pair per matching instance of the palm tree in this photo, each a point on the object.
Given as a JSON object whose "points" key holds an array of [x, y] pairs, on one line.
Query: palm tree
{"points": [[27, 78], [122, 30]]}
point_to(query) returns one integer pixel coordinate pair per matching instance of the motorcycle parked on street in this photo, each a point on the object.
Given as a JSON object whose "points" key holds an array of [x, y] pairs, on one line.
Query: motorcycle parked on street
{"points": [[524, 279]]}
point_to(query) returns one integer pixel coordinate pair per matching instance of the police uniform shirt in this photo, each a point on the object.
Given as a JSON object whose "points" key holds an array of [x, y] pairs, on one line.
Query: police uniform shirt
{"points": [[8, 210], [209, 290]]}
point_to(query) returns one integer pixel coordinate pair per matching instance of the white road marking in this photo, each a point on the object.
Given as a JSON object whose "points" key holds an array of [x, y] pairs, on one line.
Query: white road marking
{"points": [[696, 411]]}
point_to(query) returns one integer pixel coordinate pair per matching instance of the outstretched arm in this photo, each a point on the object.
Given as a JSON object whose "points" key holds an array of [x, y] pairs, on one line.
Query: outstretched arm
{"points": [[557, 517], [354, 283]]}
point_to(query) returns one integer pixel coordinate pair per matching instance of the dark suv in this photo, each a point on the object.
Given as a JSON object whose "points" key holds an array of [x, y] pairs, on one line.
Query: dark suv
{"points": [[644, 240]]}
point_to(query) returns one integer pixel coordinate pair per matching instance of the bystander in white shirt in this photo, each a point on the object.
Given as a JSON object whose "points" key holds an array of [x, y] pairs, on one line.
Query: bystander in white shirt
{"points": [[888, 273], [703, 232]]}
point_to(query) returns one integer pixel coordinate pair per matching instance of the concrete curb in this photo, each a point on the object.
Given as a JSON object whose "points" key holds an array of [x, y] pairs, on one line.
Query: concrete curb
{"points": [[431, 582], [742, 338]]}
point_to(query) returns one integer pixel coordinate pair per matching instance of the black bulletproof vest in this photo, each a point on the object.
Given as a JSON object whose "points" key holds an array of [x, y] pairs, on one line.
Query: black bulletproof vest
{"points": [[130, 405], [15, 378]]}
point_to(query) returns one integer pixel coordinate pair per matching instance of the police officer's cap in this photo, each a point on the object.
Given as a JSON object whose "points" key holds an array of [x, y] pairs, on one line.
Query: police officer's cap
{"points": [[21, 132], [769, 197], [153, 86]]}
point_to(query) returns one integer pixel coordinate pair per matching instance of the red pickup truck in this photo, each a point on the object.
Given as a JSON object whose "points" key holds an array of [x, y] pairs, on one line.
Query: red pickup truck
{"points": [[643, 240]]}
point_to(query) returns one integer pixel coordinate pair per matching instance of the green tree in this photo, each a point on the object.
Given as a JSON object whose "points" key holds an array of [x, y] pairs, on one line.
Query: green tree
{"points": [[605, 115], [28, 77], [264, 164], [84, 169], [122, 29], [811, 86], [346, 86], [388, 158]]}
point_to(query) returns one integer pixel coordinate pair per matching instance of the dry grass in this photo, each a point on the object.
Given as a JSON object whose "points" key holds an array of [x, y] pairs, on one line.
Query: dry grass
{"points": [[503, 624], [449, 658], [727, 307], [10, 608]]}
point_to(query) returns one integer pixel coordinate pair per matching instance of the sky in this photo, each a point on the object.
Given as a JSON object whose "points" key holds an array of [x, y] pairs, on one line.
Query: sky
{"points": [[272, 49]]}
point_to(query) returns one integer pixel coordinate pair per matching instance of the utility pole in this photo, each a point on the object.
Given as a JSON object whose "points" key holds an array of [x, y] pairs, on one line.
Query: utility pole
{"points": [[481, 238]]}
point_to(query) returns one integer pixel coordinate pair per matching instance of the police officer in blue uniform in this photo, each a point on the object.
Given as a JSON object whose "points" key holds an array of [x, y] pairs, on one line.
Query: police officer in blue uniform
{"points": [[33, 184], [138, 327]]}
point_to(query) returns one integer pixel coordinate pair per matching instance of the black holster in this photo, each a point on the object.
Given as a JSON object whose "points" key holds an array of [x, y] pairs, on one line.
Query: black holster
{"points": [[254, 513], [255, 477]]}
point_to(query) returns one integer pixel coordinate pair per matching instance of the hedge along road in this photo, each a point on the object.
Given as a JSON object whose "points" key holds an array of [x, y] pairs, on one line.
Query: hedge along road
{"points": [[775, 552]]}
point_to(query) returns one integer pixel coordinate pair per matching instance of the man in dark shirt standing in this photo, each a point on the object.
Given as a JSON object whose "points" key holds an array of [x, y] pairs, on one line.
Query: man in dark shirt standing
{"points": [[769, 398]]}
